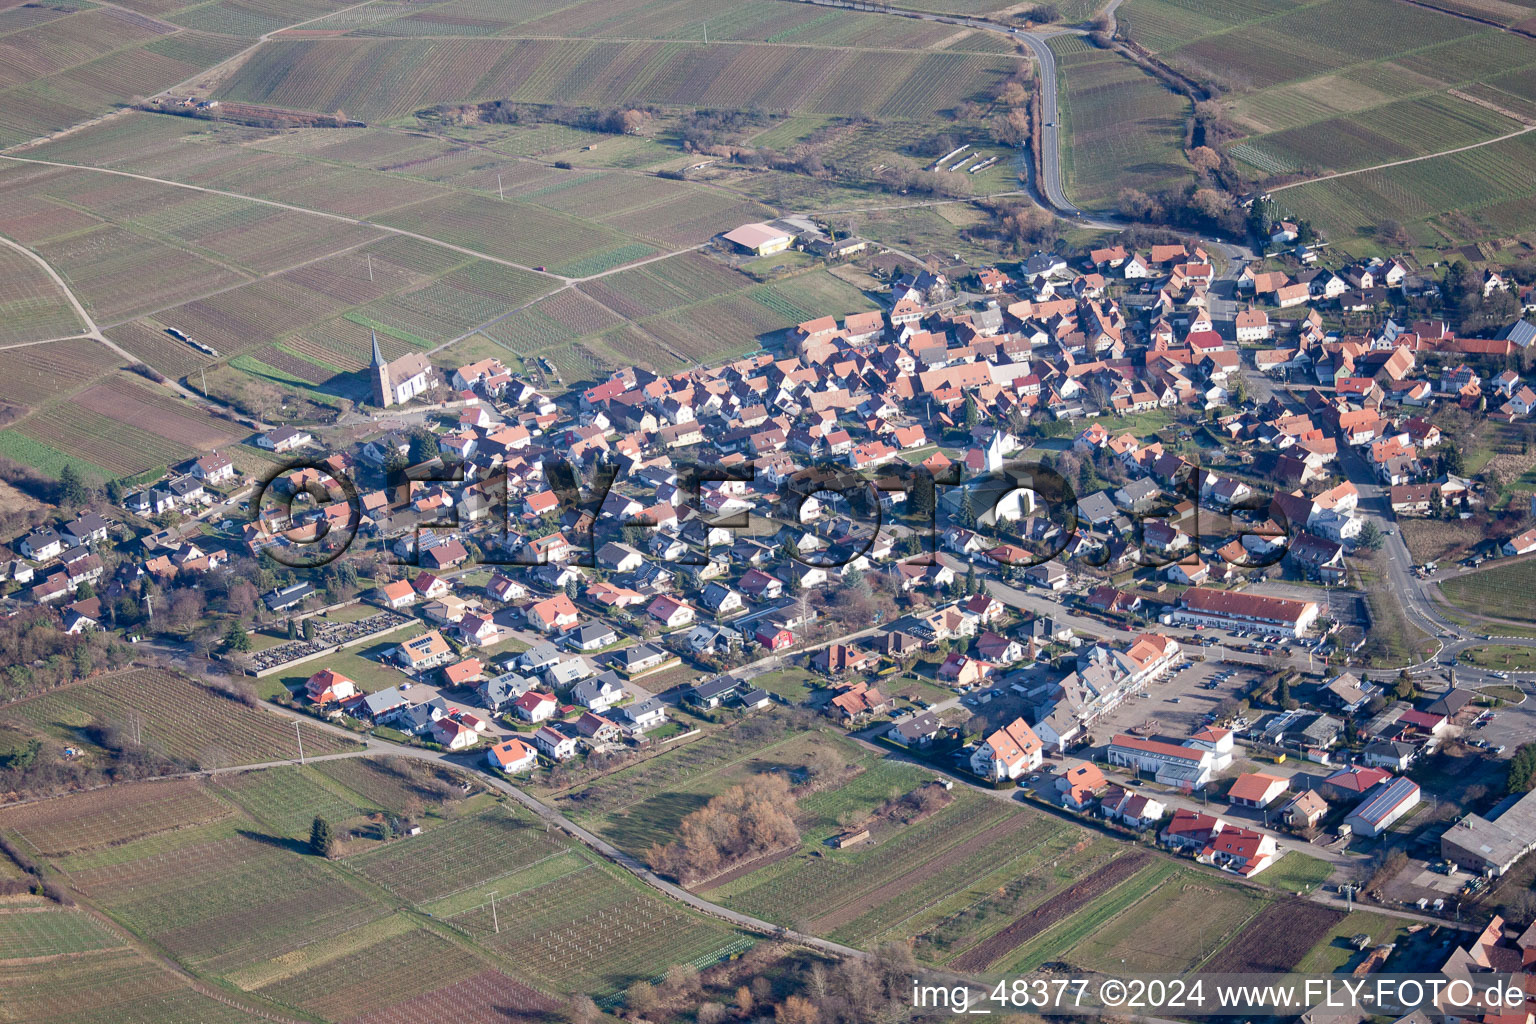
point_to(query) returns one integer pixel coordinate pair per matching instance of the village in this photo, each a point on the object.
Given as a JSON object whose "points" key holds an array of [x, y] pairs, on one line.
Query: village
{"points": [[1088, 533]]}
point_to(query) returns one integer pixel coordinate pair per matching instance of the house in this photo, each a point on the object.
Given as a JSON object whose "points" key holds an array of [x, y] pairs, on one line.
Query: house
{"points": [[463, 673], [1383, 806], [835, 659], [1008, 753], [597, 729], [327, 686], [641, 716], [552, 614], [535, 706], [284, 439], [1191, 830], [512, 757], [1304, 810], [1394, 754], [427, 651], [1051, 575], [720, 599], [916, 731], [1079, 784], [1345, 692], [1240, 850], [617, 557], [599, 693], [774, 638], [501, 691], [397, 595], [670, 611], [857, 702], [453, 733], [1131, 809], [712, 692], [590, 636], [554, 744], [213, 468], [1257, 789], [1520, 544]]}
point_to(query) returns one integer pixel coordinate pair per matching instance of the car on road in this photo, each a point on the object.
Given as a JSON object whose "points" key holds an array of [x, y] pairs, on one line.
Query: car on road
{"points": [[1498, 750]]}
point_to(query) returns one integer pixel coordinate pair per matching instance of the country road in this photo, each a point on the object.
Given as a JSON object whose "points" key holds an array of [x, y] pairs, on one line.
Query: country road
{"points": [[602, 847]]}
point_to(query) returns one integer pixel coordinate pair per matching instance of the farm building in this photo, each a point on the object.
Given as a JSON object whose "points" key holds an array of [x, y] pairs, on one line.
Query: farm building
{"points": [[762, 239], [1383, 806], [1491, 846]]}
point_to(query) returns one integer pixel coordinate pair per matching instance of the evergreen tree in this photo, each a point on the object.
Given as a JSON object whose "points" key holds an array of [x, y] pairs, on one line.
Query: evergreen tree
{"points": [[236, 638], [310, 629], [966, 514], [423, 446], [72, 491], [322, 842], [970, 579], [972, 411]]}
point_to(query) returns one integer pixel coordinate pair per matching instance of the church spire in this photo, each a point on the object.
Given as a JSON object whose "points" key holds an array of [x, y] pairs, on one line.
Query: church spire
{"points": [[378, 357]]}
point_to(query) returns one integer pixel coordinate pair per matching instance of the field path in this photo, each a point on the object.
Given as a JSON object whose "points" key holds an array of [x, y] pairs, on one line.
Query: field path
{"points": [[93, 332], [218, 69], [1409, 160], [593, 842]]}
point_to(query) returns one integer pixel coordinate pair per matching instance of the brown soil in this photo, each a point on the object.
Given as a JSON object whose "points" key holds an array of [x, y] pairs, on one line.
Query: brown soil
{"points": [[1276, 939]]}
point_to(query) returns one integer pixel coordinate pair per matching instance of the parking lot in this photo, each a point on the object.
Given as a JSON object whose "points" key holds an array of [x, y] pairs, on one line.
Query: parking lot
{"points": [[1180, 700]]}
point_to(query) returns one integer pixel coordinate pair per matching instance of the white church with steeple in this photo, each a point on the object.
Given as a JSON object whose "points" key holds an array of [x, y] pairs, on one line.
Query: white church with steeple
{"points": [[400, 381]]}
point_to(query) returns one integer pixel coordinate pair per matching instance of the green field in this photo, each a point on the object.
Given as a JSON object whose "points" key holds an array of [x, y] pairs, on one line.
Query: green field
{"points": [[1507, 657], [1123, 128], [1304, 98], [1486, 591]]}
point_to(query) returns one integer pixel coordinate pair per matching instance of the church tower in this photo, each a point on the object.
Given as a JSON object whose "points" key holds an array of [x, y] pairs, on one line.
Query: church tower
{"points": [[381, 390]]}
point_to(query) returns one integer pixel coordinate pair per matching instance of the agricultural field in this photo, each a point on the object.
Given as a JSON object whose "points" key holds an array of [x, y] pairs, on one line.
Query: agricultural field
{"points": [[464, 854], [1123, 128], [1307, 99], [904, 881], [174, 715], [642, 804], [32, 308], [88, 59], [124, 426], [106, 986], [1171, 929], [1276, 939], [35, 374], [596, 930], [390, 79], [1486, 591], [1476, 193]]}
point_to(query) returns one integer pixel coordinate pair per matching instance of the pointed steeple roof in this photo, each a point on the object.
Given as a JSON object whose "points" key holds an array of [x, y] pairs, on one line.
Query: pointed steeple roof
{"points": [[378, 356]]}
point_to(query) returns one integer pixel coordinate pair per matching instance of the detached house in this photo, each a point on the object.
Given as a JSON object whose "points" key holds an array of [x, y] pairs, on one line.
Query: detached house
{"points": [[1008, 753]]}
